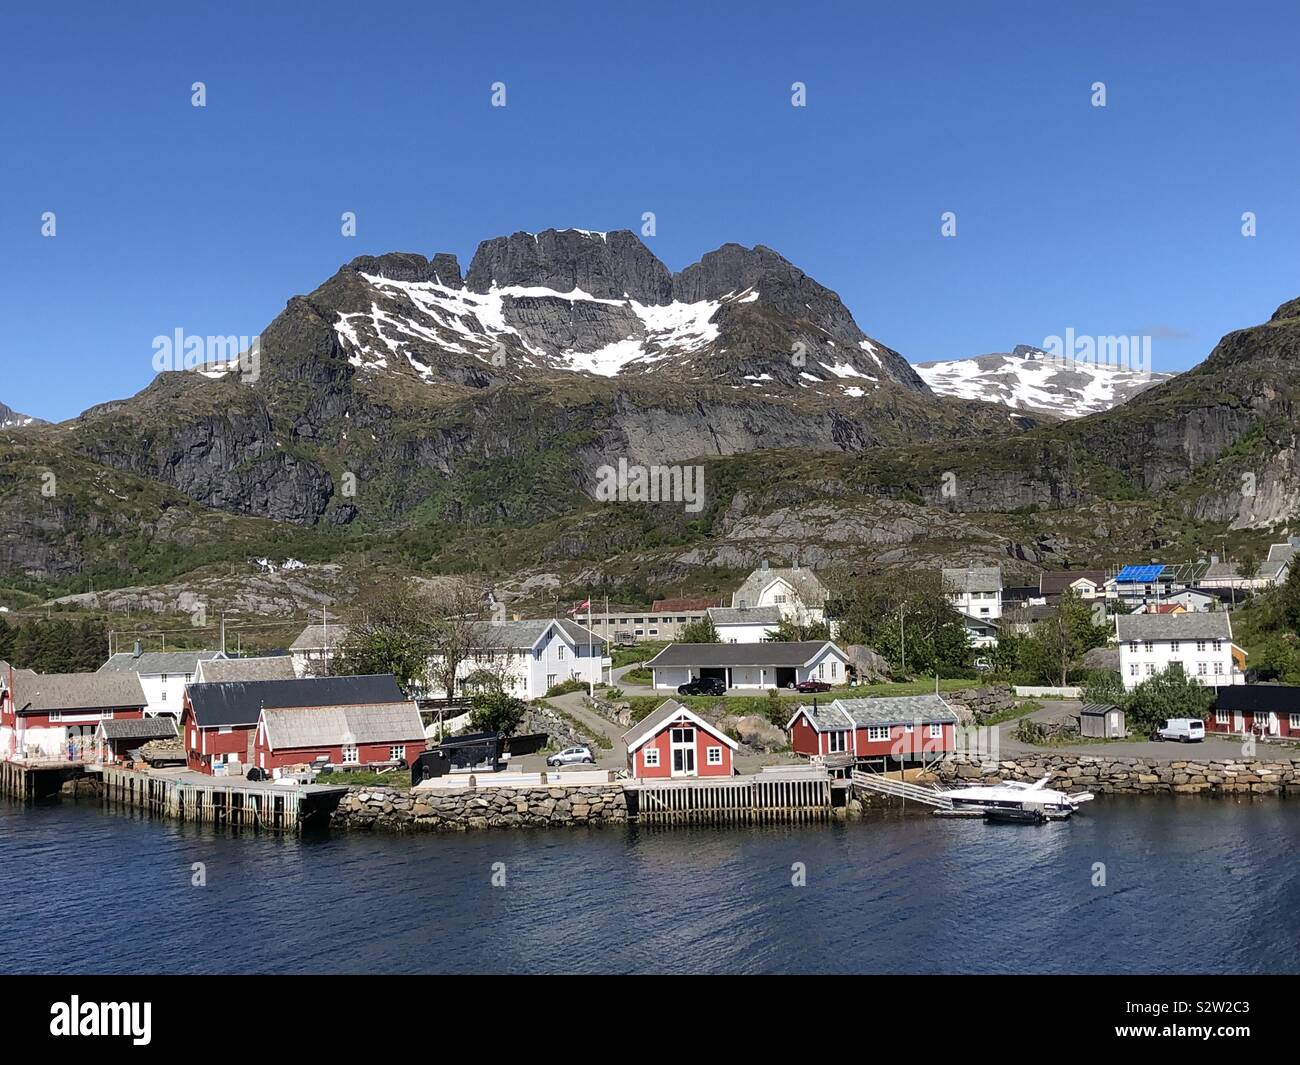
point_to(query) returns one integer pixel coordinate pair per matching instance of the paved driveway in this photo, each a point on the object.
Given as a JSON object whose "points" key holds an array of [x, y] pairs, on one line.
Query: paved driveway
{"points": [[1133, 747]]}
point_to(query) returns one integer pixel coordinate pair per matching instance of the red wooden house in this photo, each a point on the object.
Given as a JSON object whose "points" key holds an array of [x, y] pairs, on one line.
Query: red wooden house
{"points": [[46, 716], [219, 720], [1268, 711], [674, 742], [909, 728], [378, 734]]}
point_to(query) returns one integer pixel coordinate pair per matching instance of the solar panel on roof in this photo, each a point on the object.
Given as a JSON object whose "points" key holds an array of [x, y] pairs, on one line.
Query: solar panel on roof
{"points": [[1138, 574]]}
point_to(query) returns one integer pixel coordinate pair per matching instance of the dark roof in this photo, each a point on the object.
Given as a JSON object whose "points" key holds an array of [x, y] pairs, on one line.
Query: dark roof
{"points": [[1267, 698], [793, 653], [240, 702], [140, 728], [1054, 582]]}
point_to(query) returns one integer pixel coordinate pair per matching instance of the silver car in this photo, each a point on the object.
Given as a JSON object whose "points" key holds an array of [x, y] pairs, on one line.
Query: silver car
{"points": [[572, 756]]}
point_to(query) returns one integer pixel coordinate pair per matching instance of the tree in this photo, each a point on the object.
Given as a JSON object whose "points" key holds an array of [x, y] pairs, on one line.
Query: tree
{"points": [[1247, 564], [1170, 693], [496, 711], [1058, 643], [701, 630], [906, 616], [791, 630]]}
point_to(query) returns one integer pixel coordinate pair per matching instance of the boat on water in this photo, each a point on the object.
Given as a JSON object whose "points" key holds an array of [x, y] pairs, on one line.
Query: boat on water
{"points": [[1016, 801]]}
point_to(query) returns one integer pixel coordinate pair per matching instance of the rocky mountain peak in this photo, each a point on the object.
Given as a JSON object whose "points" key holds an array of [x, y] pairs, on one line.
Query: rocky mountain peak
{"points": [[613, 265], [1290, 309], [11, 419]]}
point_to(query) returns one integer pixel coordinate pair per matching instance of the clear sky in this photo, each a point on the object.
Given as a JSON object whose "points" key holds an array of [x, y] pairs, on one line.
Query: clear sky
{"points": [[1116, 220]]}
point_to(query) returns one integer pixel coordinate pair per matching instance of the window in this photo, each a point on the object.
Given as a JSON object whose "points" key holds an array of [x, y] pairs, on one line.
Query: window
{"points": [[907, 729], [1148, 646], [559, 652], [1173, 646], [1221, 717], [1133, 647], [833, 666], [1133, 670], [682, 621], [225, 730], [877, 732], [1218, 645], [162, 695], [162, 678], [1200, 645], [194, 738], [936, 730], [552, 679], [714, 756], [650, 755], [1201, 669], [396, 752], [1295, 722], [836, 742], [683, 735], [1151, 669], [1218, 669], [350, 755], [779, 597]]}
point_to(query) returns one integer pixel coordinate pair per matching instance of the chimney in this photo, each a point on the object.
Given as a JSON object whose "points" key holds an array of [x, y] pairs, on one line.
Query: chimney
{"points": [[139, 650], [764, 564], [1214, 559]]}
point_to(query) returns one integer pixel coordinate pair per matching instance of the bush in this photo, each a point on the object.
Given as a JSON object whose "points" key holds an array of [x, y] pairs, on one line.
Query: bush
{"points": [[495, 711], [565, 687]]}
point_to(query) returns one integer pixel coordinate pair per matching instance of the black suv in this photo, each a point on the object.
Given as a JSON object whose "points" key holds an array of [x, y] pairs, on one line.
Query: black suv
{"points": [[703, 686]]}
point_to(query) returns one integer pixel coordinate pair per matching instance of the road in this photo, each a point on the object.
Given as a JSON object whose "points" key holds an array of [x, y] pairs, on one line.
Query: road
{"points": [[1210, 747]]}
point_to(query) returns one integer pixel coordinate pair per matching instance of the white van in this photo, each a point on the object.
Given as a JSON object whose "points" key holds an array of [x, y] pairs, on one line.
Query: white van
{"points": [[1182, 729]]}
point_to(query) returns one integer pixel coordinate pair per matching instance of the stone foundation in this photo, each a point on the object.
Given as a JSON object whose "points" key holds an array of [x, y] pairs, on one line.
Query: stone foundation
{"points": [[467, 808], [1132, 776]]}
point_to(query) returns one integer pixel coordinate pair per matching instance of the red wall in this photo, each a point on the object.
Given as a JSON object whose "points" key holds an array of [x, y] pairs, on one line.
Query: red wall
{"points": [[1283, 723], [805, 740], [43, 720], [366, 753], [662, 741], [234, 742]]}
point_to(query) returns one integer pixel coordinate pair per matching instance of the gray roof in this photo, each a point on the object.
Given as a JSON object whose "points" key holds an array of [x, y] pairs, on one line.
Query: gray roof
{"points": [[522, 635], [754, 615], [151, 663], [1055, 581], [336, 726], [971, 619], [312, 638], [806, 584], [240, 702], [878, 710], [139, 728], [793, 653], [973, 578], [1211, 625], [39, 692], [1097, 709], [278, 667]]}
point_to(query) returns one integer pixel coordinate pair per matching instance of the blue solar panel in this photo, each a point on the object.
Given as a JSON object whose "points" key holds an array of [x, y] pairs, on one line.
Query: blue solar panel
{"points": [[1138, 574]]}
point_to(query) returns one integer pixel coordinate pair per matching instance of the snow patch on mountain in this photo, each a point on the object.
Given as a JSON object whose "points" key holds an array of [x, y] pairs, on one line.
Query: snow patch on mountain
{"points": [[1031, 379]]}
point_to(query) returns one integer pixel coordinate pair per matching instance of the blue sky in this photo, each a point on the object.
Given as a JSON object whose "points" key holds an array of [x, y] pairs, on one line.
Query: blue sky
{"points": [[1115, 220]]}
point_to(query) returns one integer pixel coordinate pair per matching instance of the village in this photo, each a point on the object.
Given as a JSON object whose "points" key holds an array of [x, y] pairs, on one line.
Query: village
{"points": [[759, 688]]}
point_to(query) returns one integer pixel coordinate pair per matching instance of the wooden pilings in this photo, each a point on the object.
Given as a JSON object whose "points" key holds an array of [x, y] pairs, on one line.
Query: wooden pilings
{"points": [[749, 800], [27, 781], [264, 809]]}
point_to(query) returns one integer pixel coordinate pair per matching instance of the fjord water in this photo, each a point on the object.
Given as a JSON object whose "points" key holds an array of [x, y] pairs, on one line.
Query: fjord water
{"points": [[1190, 886]]}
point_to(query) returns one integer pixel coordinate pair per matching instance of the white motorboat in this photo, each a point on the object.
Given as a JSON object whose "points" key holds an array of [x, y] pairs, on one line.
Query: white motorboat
{"points": [[1016, 801]]}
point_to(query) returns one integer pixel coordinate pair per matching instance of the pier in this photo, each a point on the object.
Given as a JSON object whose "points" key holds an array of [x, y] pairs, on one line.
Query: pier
{"points": [[789, 794], [224, 802], [904, 790], [28, 781]]}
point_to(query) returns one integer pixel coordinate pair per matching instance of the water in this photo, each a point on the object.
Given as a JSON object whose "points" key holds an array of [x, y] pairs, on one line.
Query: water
{"points": [[1191, 886]]}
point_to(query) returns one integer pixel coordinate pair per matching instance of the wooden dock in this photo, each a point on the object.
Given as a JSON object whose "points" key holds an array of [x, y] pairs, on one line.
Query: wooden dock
{"points": [[789, 796], [29, 781], [222, 802]]}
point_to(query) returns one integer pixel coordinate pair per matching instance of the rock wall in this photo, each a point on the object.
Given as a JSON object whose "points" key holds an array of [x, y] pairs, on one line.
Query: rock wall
{"points": [[981, 702], [389, 809], [1079, 772]]}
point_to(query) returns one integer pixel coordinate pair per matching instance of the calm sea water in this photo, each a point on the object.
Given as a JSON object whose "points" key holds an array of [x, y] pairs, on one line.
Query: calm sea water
{"points": [[1191, 886]]}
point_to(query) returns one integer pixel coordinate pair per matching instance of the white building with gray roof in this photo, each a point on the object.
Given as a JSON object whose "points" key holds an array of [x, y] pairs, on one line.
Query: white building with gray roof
{"points": [[532, 656], [745, 624], [797, 592], [163, 675], [1200, 644]]}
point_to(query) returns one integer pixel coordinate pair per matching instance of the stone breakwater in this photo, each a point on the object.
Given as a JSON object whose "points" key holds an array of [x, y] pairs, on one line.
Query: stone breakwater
{"points": [[1081, 772], [470, 808]]}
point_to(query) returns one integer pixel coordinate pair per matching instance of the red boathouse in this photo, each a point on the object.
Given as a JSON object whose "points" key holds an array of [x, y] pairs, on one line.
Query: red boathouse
{"points": [[675, 742], [907, 728]]}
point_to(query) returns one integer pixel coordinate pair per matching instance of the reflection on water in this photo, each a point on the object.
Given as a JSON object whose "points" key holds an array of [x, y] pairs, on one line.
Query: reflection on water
{"points": [[1190, 886]]}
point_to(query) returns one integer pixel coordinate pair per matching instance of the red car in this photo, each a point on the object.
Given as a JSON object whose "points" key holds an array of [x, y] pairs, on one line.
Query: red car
{"points": [[812, 686]]}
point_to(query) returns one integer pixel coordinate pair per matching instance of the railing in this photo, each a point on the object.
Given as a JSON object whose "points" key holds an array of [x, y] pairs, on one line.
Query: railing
{"points": [[901, 789]]}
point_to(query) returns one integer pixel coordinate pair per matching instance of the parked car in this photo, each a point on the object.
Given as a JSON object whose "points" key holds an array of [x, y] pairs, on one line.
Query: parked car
{"points": [[572, 756], [812, 686], [1182, 729], [703, 686]]}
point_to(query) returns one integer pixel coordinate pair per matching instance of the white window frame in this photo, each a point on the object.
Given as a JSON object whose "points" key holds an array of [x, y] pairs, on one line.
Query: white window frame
{"points": [[713, 756], [936, 730], [650, 757], [351, 749], [396, 752], [874, 733]]}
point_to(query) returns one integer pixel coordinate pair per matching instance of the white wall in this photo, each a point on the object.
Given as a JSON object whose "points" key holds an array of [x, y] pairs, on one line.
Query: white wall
{"points": [[978, 604], [1135, 666], [743, 633], [164, 697]]}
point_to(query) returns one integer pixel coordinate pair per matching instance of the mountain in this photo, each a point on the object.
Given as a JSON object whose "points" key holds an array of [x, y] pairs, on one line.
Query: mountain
{"points": [[11, 419], [1030, 379], [402, 393]]}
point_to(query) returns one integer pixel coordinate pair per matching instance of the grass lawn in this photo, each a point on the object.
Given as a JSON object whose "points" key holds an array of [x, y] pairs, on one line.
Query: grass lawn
{"points": [[394, 778]]}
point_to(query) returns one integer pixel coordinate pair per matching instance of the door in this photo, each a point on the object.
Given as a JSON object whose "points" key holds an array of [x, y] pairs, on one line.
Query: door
{"points": [[1238, 722], [682, 752]]}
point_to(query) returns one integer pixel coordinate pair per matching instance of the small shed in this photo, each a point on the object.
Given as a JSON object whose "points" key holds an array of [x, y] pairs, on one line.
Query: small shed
{"points": [[1102, 720], [120, 736]]}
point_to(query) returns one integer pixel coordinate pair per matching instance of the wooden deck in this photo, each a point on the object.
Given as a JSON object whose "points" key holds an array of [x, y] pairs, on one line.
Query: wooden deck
{"points": [[793, 794]]}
